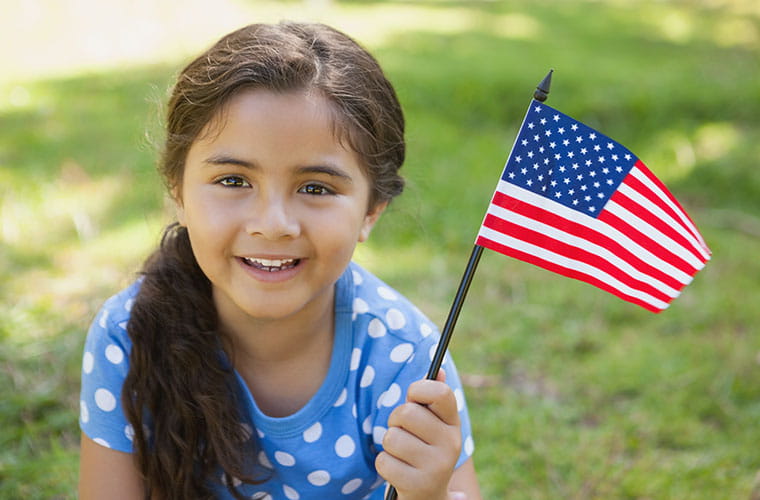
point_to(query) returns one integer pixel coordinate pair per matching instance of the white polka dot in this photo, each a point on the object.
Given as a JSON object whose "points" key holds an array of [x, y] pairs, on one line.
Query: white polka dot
{"points": [[105, 400], [284, 459], [290, 492], [351, 486], [264, 460], [353, 411], [128, 304], [356, 357], [246, 431], [390, 397], [114, 354], [312, 433], [367, 425], [102, 442], [431, 353], [360, 306], [123, 325], [129, 432], [261, 496], [88, 362], [260, 433], [386, 293], [342, 398], [319, 477], [425, 330], [358, 280], [459, 395], [376, 328], [84, 413], [378, 433], [344, 446], [395, 319], [401, 352], [367, 377], [469, 445], [103, 319]]}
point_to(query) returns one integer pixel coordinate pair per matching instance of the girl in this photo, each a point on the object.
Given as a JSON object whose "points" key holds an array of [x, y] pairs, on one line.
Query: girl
{"points": [[253, 359]]}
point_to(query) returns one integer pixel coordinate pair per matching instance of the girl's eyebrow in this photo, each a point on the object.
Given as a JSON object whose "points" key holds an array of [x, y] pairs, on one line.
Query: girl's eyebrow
{"points": [[326, 169]]}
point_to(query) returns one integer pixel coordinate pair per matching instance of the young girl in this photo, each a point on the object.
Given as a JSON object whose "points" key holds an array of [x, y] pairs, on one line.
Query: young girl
{"points": [[252, 358]]}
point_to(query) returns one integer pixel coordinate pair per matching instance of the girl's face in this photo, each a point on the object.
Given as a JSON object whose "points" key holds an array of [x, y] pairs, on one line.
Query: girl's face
{"points": [[274, 206]]}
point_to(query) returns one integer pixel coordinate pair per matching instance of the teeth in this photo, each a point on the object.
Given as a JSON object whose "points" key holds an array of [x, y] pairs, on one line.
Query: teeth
{"points": [[271, 264]]}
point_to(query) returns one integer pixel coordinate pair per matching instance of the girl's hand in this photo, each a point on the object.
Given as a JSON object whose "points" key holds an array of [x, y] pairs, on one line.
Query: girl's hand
{"points": [[423, 442]]}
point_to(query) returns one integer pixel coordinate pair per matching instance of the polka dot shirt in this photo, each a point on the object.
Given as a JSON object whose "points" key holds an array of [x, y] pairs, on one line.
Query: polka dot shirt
{"points": [[327, 449]]}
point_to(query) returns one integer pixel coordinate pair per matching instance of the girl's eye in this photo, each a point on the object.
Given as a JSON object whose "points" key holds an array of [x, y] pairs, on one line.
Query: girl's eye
{"points": [[315, 189], [233, 181]]}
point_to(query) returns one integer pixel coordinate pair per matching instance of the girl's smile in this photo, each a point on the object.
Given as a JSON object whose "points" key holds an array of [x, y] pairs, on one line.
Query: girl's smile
{"points": [[274, 205]]}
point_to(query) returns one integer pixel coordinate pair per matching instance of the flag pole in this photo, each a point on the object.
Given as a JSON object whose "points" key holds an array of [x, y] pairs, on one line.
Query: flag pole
{"points": [[540, 94]]}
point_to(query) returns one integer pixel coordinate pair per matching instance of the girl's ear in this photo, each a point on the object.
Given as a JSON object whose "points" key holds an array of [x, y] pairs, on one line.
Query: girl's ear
{"points": [[370, 219]]}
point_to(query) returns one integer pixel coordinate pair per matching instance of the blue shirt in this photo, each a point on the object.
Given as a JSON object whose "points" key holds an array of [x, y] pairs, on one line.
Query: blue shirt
{"points": [[326, 449]]}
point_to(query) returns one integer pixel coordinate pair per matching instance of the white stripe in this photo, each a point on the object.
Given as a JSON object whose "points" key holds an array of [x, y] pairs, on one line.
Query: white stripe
{"points": [[582, 243], [595, 224], [568, 263], [641, 176], [661, 214], [654, 234]]}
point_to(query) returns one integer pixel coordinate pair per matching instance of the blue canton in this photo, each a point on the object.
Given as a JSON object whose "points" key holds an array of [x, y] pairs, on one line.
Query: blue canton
{"points": [[566, 161]]}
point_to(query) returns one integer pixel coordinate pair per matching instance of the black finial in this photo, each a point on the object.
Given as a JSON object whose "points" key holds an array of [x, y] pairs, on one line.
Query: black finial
{"points": [[542, 91]]}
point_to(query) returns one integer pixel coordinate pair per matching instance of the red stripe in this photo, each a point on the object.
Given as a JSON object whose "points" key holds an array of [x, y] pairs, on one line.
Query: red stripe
{"points": [[645, 241], [507, 202], [570, 273], [660, 225], [653, 197], [657, 182], [572, 252]]}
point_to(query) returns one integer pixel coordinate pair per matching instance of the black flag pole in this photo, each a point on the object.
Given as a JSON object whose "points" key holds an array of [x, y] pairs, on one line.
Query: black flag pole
{"points": [[541, 93]]}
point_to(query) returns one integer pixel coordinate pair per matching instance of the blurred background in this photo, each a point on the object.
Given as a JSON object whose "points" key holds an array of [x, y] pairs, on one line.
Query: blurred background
{"points": [[573, 393]]}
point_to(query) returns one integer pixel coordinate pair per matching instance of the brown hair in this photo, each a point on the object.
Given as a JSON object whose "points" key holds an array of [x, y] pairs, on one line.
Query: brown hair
{"points": [[180, 398]]}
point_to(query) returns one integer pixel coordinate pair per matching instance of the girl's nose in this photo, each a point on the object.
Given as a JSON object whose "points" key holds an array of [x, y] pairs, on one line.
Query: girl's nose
{"points": [[273, 218]]}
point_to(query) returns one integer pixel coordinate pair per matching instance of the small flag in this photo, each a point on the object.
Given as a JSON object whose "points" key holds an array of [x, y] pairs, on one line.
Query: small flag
{"points": [[573, 201]]}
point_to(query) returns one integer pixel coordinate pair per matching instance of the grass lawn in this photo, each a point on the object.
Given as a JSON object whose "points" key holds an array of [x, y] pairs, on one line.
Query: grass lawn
{"points": [[573, 393]]}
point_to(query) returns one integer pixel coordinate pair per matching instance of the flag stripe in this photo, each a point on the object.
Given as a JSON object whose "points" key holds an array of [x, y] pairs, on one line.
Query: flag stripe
{"points": [[521, 196], [641, 230], [542, 257], [642, 174], [584, 238], [557, 242]]}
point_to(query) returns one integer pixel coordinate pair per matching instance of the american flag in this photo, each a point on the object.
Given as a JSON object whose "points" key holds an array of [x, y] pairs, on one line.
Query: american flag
{"points": [[575, 202]]}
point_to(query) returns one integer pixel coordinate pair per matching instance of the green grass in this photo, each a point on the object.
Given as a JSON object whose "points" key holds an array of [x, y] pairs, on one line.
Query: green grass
{"points": [[573, 393]]}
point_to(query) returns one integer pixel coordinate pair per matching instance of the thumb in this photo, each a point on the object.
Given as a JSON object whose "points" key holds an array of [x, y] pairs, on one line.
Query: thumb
{"points": [[457, 495]]}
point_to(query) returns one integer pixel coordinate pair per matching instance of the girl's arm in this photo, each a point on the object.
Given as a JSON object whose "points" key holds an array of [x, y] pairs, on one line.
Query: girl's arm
{"points": [[107, 474], [422, 445]]}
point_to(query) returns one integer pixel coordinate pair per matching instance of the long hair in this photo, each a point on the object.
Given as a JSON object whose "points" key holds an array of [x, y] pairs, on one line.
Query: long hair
{"points": [[180, 394]]}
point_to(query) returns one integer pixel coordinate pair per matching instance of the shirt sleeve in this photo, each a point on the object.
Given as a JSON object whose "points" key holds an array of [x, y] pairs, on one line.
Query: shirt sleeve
{"points": [[105, 364]]}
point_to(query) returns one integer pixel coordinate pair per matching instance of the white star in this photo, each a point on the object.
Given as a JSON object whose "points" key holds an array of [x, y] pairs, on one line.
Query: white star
{"points": [[627, 157], [561, 130], [575, 166], [543, 121], [561, 167], [592, 136], [584, 151], [592, 173], [591, 209], [530, 125], [565, 142], [588, 163], [546, 161], [575, 202], [553, 183], [541, 149], [614, 157], [579, 139], [579, 177], [518, 159], [529, 183], [596, 184], [552, 145], [530, 154], [571, 192], [523, 171], [600, 159], [540, 177], [610, 182], [548, 133], [587, 198], [537, 109], [566, 180], [583, 187], [535, 166], [605, 170], [600, 195], [555, 118], [536, 137], [574, 127], [618, 169], [558, 194], [557, 156], [610, 146], [524, 142], [597, 147], [570, 154], [511, 175]]}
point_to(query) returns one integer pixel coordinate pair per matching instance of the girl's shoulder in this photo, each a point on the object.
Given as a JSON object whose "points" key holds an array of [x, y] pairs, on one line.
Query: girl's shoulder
{"points": [[110, 323], [380, 310]]}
